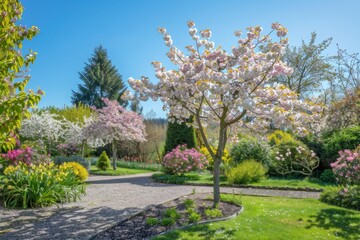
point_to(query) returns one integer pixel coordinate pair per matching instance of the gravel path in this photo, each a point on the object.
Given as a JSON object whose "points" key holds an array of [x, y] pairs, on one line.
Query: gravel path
{"points": [[108, 200]]}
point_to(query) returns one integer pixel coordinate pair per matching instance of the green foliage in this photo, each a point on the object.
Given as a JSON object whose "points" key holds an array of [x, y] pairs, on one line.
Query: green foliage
{"points": [[347, 138], [155, 167], [100, 80], [14, 100], [103, 162], [251, 148], [172, 213], [213, 213], [167, 222], [179, 134], [246, 172], [327, 176], [348, 197], [189, 203], [151, 221], [75, 114], [194, 217], [40, 186]]}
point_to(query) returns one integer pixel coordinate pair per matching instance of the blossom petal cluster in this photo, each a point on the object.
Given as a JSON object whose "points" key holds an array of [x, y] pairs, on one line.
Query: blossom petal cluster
{"points": [[115, 123], [229, 87]]}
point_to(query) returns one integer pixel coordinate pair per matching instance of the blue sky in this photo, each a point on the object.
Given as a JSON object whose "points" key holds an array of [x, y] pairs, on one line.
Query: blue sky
{"points": [[71, 29]]}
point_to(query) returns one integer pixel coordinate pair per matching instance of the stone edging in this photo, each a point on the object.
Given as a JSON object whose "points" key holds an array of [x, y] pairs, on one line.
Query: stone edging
{"points": [[207, 221], [182, 227]]}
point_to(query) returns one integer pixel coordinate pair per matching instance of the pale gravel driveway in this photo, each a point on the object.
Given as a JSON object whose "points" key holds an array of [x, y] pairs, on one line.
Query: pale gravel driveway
{"points": [[109, 199]]}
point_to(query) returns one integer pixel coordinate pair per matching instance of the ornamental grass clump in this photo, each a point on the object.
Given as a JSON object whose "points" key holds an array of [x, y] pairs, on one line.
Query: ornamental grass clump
{"points": [[182, 160], [40, 185]]}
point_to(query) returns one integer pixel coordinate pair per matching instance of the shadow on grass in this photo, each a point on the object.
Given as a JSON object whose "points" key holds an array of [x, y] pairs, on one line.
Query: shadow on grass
{"points": [[199, 232], [344, 223], [174, 179]]}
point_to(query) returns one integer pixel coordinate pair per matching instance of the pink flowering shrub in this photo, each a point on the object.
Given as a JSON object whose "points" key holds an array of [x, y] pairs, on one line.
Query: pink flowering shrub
{"points": [[182, 160], [347, 167], [14, 157]]}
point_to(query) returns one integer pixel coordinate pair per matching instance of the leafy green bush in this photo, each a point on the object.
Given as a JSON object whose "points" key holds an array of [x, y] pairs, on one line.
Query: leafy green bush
{"points": [[213, 213], [291, 156], [172, 213], [251, 148], [327, 176], [40, 186], [103, 162], [151, 221], [246, 172], [348, 197], [167, 222], [347, 138]]}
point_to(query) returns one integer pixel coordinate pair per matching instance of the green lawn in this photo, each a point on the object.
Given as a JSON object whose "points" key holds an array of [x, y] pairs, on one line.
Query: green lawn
{"points": [[277, 218], [206, 178], [119, 171]]}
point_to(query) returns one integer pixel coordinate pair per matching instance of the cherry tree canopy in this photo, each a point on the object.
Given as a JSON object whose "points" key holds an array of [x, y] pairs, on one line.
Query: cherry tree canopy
{"points": [[115, 123], [228, 89]]}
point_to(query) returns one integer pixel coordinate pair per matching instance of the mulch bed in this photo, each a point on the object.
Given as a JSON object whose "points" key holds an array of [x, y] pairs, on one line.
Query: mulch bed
{"points": [[135, 228]]}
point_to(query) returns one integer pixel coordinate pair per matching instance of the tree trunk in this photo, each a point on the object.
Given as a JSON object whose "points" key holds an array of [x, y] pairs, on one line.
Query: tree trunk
{"points": [[217, 163], [83, 148], [114, 155]]}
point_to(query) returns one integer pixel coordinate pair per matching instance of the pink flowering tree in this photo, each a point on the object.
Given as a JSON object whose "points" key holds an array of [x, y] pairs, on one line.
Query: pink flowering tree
{"points": [[229, 89], [114, 124]]}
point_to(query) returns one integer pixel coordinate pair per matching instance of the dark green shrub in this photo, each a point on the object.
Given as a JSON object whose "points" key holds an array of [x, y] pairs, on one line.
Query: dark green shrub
{"points": [[327, 176], [347, 138], [246, 172], [348, 198], [103, 162], [251, 148], [179, 134], [167, 222]]}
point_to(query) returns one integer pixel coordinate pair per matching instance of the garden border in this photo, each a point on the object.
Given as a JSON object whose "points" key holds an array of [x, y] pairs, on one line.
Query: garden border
{"points": [[182, 227], [245, 186]]}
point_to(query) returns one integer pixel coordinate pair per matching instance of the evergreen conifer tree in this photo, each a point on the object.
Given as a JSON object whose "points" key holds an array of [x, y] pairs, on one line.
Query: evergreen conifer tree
{"points": [[100, 80]]}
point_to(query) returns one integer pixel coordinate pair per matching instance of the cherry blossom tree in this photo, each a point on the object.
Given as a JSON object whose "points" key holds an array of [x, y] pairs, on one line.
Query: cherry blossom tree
{"points": [[230, 90], [115, 124]]}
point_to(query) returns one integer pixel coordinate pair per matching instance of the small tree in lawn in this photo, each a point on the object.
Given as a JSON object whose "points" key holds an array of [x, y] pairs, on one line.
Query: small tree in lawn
{"points": [[103, 162], [228, 89], [115, 124]]}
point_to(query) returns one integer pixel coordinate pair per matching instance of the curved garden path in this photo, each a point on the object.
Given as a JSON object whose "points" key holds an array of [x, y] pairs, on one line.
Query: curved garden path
{"points": [[109, 200]]}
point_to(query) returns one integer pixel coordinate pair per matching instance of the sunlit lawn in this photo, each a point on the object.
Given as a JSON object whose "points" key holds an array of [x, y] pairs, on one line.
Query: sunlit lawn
{"points": [[278, 218], [118, 172], [206, 178]]}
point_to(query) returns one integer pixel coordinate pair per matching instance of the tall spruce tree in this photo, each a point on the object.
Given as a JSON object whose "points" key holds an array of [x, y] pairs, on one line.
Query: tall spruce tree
{"points": [[100, 80]]}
